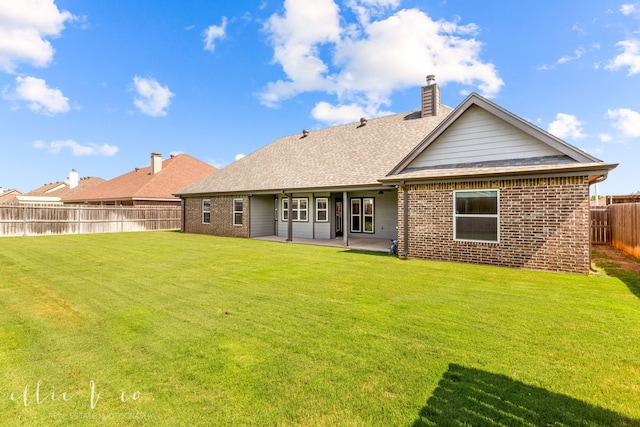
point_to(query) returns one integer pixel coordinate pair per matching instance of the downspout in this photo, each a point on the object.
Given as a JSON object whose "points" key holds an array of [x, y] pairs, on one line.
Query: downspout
{"points": [[405, 201]]}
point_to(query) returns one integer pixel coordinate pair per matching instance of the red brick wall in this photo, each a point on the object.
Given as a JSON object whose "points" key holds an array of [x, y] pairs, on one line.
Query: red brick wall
{"points": [[221, 217], [544, 224]]}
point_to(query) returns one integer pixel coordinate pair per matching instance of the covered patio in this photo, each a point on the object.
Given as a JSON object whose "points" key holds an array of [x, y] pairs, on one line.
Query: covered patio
{"points": [[359, 244]]}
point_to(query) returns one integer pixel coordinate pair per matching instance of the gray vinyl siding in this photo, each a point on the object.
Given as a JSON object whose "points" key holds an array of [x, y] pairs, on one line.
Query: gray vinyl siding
{"points": [[385, 214], [385, 217], [322, 230], [262, 216], [480, 136], [301, 229]]}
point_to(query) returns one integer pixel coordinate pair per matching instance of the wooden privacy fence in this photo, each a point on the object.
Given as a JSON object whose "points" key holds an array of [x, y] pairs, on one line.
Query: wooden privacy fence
{"points": [[33, 220], [600, 227], [625, 227]]}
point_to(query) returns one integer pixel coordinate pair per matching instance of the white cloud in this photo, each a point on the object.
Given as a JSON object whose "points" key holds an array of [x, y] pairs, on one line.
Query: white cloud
{"points": [[605, 137], [628, 9], [213, 33], [153, 99], [365, 9], [625, 120], [344, 113], [25, 26], [40, 98], [215, 163], [630, 57], [90, 149], [363, 63], [594, 151], [566, 126], [239, 156], [333, 115], [577, 27], [577, 54], [296, 38]]}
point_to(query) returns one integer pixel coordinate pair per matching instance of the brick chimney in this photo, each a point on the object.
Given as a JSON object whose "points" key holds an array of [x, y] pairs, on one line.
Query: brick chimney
{"points": [[430, 97], [156, 163]]}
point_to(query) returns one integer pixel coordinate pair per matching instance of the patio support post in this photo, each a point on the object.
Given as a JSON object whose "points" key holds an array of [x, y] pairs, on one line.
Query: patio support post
{"points": [[345, 221], [290, 218]]}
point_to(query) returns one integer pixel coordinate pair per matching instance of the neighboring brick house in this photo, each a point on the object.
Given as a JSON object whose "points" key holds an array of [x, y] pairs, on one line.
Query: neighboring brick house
{"points": [[53, 192], [472, 184], [153, 185], [8, 196]]}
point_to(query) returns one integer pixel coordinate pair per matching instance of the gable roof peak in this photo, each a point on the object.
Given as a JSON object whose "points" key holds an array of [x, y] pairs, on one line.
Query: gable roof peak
{"points": [[474, 99]]}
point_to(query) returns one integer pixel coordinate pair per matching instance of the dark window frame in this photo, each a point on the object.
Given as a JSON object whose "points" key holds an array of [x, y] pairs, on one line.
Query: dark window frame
{"points": [[362, 217]]}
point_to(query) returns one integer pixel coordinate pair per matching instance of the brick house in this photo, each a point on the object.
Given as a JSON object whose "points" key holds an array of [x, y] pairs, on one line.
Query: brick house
{"points": [[153, 185], [473, 184], [8, 196], [53, 192]]}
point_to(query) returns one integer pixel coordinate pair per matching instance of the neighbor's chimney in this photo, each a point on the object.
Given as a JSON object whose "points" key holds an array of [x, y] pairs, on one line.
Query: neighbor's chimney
{"points": [[73, 179], [430, 97], [156, 163]]}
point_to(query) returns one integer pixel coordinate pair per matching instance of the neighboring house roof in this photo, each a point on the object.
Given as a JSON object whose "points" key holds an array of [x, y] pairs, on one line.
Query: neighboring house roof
{"points": [[61, 189], [349, 155], [630, 198], [481, 139], [8, 196], [140, 184]]}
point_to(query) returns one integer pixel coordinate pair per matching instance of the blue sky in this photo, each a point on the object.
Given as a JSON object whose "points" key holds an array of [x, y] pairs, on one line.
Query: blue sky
{"points": [[98, 85]]}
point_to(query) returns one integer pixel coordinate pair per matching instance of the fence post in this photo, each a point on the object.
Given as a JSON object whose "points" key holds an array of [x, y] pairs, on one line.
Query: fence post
{"points": [[121, 218], [24, 220]]}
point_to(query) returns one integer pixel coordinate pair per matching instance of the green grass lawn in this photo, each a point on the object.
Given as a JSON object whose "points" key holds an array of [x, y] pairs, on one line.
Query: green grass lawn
{"points": [[163, 328]]}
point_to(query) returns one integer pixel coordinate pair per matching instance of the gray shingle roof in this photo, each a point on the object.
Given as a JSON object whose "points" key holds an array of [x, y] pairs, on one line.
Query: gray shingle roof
{"points": [[349, 155]]}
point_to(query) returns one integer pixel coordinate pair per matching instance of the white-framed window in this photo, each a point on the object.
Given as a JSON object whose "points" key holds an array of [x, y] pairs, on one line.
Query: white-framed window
{"points": [[206, 211], [299, 209], [238, 205], [362, 215], [322, 209], [476, 215]]}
